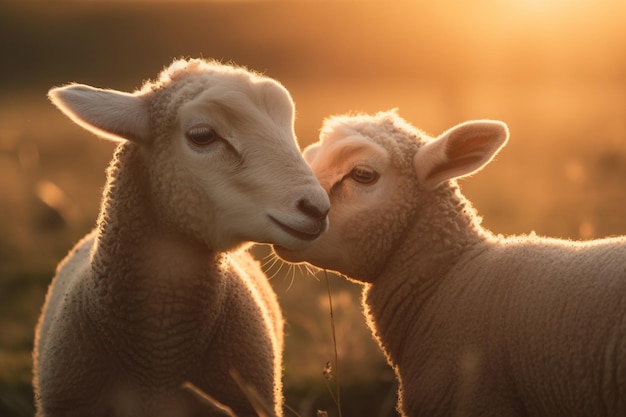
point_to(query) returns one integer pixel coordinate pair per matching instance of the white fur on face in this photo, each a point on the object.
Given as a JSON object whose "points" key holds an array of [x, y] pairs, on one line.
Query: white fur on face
{"points": [[367, 218], [353, 204], [248, 184], [250, 177]]}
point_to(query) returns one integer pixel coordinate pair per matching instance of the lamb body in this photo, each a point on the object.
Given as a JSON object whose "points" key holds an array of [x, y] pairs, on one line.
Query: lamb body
{"points": [[474, 324], [163, 292]]}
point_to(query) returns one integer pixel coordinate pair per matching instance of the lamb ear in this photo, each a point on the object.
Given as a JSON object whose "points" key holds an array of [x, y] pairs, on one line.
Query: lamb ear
{"points": [[310, 152], [111, 114], [462, 150]]}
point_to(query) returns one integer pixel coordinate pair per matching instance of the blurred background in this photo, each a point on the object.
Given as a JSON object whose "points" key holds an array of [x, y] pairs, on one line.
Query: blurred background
{"points": [[554, 70]]}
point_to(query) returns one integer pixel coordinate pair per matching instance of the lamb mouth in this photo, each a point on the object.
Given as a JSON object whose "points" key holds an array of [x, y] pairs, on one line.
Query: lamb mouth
{"points": [[298, 234]]}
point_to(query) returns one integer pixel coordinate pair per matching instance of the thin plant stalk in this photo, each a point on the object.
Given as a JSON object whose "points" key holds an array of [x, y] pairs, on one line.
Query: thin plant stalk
{"points": [[208, 400], [337, 396]]}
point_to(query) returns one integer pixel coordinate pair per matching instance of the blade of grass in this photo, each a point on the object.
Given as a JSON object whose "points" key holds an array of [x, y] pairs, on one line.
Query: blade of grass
{"points": [[208, 400], [292, 410], [259, 405]]}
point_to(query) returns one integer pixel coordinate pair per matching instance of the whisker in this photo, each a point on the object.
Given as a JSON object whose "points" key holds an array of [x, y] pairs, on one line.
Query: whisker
{"points": [[278, 271], [269, 259], [273, 266], [310, 269], [291, 269], [315, 276], [270, 264]]}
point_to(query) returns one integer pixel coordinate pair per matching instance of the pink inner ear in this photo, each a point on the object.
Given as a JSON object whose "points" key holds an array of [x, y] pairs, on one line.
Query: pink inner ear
{"points": [[474, 147], [462, 150], [111, 114], [467, 160]]}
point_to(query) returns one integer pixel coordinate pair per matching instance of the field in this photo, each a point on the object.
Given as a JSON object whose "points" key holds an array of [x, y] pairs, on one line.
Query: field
{"points": [[555, 71]]}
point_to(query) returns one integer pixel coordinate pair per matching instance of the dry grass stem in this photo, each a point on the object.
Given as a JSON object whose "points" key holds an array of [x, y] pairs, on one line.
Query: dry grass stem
{"points": [[208, 400], [337, 396], [259, 405]]}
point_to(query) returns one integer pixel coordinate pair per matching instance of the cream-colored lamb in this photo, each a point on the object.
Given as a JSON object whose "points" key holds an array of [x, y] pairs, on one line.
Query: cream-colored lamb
{"points": [[473, 324], [162, 292]]}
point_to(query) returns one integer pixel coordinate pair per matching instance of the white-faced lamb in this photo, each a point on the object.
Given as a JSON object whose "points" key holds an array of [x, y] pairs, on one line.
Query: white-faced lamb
{"points": [[162, 292], [474, 324]]}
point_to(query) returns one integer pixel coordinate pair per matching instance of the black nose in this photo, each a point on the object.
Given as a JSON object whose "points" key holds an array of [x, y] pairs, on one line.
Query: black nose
{"points": [[312, 210]]}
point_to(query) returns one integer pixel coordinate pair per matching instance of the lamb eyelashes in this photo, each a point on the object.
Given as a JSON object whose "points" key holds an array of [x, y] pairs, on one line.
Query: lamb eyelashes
{"points": [[364, 175], [360, 174], [201, 136]]}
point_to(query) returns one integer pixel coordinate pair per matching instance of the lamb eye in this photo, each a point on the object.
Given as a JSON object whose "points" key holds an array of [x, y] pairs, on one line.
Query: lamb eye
{"points": [[364, 175], [201, 135]]}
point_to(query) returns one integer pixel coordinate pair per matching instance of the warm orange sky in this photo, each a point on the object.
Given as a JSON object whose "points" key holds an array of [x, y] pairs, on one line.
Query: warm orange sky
{"points": [[478, 39]]}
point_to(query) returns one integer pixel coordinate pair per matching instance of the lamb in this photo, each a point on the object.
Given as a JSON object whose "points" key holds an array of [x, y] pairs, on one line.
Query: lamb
{"points": [[473, 324], [162, 291]]}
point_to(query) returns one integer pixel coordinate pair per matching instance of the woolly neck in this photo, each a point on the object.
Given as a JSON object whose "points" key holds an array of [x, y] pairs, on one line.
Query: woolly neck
{"points": [[126, 212], [127, 218], [150, 280], [423, 259]]}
